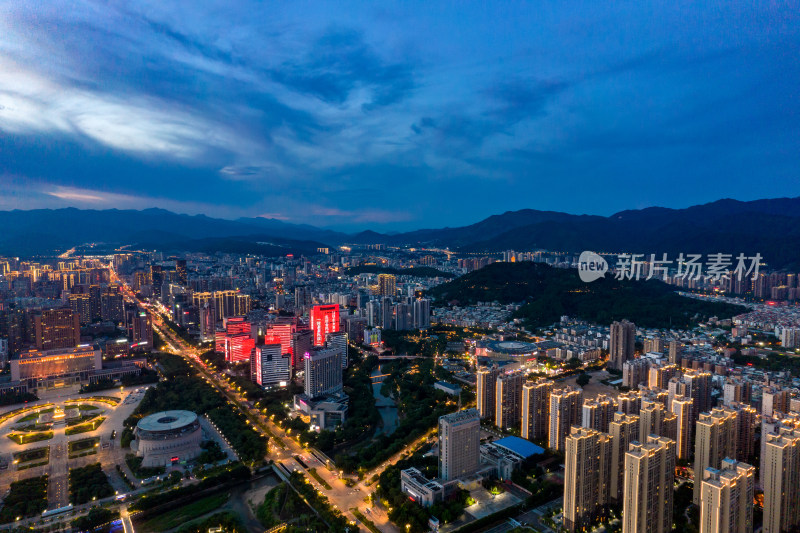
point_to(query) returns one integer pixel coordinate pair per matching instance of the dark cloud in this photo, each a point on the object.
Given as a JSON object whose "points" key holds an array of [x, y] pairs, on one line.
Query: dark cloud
{"points": [[338, 63]]}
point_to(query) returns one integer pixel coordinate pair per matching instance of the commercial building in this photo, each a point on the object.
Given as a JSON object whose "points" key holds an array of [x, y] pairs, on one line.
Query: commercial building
{"points": [[587, 465], [536, 409], [324, 320], [459, 444], [507, 454], [649, 476], [236, 341], [166, 438], [268, 366], [54, 368], [323, 372], [726, 501], [338, 341], [326, 412], [56, 328], [420, 489]]}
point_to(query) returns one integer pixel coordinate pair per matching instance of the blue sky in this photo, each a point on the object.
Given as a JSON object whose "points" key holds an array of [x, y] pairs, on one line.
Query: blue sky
{"points": [[396, 115]]}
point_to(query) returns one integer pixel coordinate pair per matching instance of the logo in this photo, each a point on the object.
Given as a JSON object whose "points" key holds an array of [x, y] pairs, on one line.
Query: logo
{"points": [[591, 266]]}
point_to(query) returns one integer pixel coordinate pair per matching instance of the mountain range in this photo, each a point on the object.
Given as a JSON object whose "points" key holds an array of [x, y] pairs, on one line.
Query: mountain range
{"points": [[770, 227]]}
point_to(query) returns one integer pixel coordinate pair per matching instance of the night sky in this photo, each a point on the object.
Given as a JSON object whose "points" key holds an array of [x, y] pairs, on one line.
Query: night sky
{"points": [[396, 116]]}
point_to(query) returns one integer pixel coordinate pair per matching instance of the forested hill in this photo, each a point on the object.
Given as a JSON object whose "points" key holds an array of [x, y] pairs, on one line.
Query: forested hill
{"points": [[420, 272], [548, 293]]}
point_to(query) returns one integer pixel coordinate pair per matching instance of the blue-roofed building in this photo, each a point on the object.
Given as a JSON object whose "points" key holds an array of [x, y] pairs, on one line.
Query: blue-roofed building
{"points": [[518, 446], [506, 454]]}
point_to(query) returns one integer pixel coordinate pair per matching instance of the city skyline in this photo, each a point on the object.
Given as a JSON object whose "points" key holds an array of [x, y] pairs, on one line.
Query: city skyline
{"points": [[363, 117]]}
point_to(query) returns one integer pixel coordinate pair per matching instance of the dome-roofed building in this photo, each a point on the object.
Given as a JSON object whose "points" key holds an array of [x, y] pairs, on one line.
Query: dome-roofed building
{"points": [[167, 437]]}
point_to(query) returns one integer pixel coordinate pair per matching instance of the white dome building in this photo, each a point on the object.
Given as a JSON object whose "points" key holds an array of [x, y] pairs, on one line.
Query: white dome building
{"points": [[168, 437]]}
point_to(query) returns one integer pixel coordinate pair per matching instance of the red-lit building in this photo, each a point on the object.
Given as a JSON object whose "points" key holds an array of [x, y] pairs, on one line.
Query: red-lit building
{"points": [[236, 341], [283, 334], [324, 320]]}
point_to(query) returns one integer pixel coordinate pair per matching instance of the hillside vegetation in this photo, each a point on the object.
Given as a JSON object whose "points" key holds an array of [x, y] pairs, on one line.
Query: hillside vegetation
{"points": [[547, 293]]}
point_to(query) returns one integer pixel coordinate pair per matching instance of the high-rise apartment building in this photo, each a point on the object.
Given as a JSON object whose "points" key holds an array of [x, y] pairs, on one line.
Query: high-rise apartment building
{"points": [[779, 477], [508, 400], [597, 413], [726, 498], [624, 429], [659, 376], [536, 409], [629, 402], [323, 372], [774, 399], [649, 476], [181, 275], [715, 440], [421, 313], [387, 285], [655, 419], [622, 343], [565, 412], [459, 444], [485, 391], [587, 475], [682, 409], [79, 303], [56, 328]]}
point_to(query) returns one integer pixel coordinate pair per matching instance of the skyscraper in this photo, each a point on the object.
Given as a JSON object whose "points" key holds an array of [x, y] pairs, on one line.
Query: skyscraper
{"points": [[536, 409], [727, 498], [302, 342], [268, 366], [180, 272], [338, 341], [715, 439], [780, 480], [624, 429], [654, 419], [682, 409], [421, 311], [622, 343], [387, 285], [508, 400], [587, 464], [649, 475], [486, 380], [459, 444], [565, 412], [323, 372], [56, 328], [597, 413], [324, 320]]}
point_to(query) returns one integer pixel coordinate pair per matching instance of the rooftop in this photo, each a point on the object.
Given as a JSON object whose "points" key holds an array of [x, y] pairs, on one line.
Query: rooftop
{"points": [[523, 448]]}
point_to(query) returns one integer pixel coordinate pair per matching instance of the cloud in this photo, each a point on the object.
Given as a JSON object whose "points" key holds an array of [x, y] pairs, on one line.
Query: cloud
{"points": [[339, 63]]}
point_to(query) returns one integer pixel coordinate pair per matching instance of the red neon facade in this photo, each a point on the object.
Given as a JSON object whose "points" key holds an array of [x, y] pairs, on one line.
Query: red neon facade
{"points": [[324, 320]]}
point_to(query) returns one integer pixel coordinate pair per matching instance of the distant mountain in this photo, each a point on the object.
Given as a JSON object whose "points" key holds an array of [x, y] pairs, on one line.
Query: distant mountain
{"points": [[547, 293], [770, 227], [46, 230]]}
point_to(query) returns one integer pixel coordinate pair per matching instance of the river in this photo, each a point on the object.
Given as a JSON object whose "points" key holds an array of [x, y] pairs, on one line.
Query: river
{"points": [[386, 406]]}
